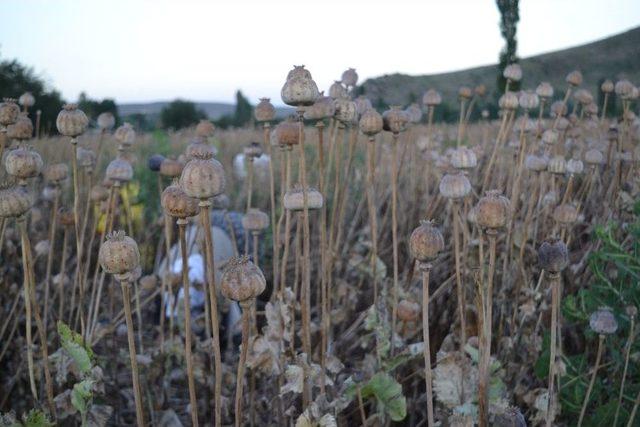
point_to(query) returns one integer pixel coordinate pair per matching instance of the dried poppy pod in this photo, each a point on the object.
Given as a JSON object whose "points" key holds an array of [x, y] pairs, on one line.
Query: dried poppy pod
{"points": [[86, 158], [562, 124], [583, 96], [119, 170], [119, 254], [172, 168], [565, 214], [293, 199], [492, 210], [323, 108], [71, 121], [512, 72], [205, 128], [154, 161], [607, 86], [65, 217], [414, 112], [553, 255], [221, 201], [371, 123], [558, 108], [623, 88], [544, 90], [99, 193], [350, 77], [345, 110], [480, 90], [23, 163], [463, 158], [242, 280], [15, 201], [9, 111], [557, 165], [426, 242], [454, 186], [550, 137], [603, 322], [594, 157], [591, 110], [264, 111], [575, 166], [125, 135], [106, 121], [431, 98], [574, 78], [177, 204], [27, 100], [529, 100], [363, 104], [299, 90], [56, 173], [22, 129], [199, 148], [252, 150], [408, 311], [524, 124], [203, 178], [337, 90], [509, 101], [287, 133], [465, 92], [255, 220], [631, 311], [394, 120]]}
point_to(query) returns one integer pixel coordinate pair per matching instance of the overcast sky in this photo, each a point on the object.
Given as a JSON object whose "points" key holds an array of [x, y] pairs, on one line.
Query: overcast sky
{"points": [[205, 50]]}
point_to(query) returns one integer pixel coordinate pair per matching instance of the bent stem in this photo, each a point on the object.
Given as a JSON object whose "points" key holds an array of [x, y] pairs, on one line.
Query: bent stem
{"points": [[426, 269], [246, 322], [626, 365], [601, 338]]}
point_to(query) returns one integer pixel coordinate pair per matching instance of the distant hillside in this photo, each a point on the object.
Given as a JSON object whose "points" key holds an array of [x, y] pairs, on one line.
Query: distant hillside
{"points": [[213, 110], [614, 57]]}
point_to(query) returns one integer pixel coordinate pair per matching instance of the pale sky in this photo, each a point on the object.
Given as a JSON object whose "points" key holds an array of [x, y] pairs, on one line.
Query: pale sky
{"points": [[139, 50]]}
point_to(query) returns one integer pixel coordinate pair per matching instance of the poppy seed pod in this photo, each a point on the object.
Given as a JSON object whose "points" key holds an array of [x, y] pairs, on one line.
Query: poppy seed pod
{"points": [[623, 88], [593, 157], [323, 108], [299, 90], [65, 217], [524, 124], [294, 199], [394, 120], [205, 129], [465, 92], [426, 242], [287, 133], [336, 90], [119, 254], [56, 172], [565, 214], [86, 158], [171, 168], [242, 280], [480, 90], [177, 204], [550, 137], [631, 311], [22, 129], [362, 104], [529, 100], [607, 86], [414, 113], [125, 135], [603, 322], [252, 150], [198, 148], [545, 90], [106, 121], [509, 101], [574, 78], [119, 170], [591, 110], [454, 186], [563, 124], [221, 201], [99, 193], [492, 210], [345, 110], [408, 311], [583, 96], [463, 158], [15, 201], [575, 166], [371, 123], [154, 161], [558, 108], [255, 220], [23, 163], [557, 165], [27, 100], [513, 72], [9, 111], [71, 121], [264, 111], [431, 98], [553, 255], [203, 178], [350, 77]]}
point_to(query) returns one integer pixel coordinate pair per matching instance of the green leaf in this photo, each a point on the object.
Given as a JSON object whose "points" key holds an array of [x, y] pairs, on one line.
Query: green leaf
{"points": [[73, 344], [36, 418], [81, 395], [388, 392]]}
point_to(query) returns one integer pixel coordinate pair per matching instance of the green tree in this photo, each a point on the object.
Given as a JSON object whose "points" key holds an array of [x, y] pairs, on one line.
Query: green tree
{"points": [[93, 108], [180, 114], [244, 110], [509, 17]]}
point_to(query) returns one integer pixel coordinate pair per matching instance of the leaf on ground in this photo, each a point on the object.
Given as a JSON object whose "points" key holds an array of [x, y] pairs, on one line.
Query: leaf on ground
{"points": [[389, 394]]}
